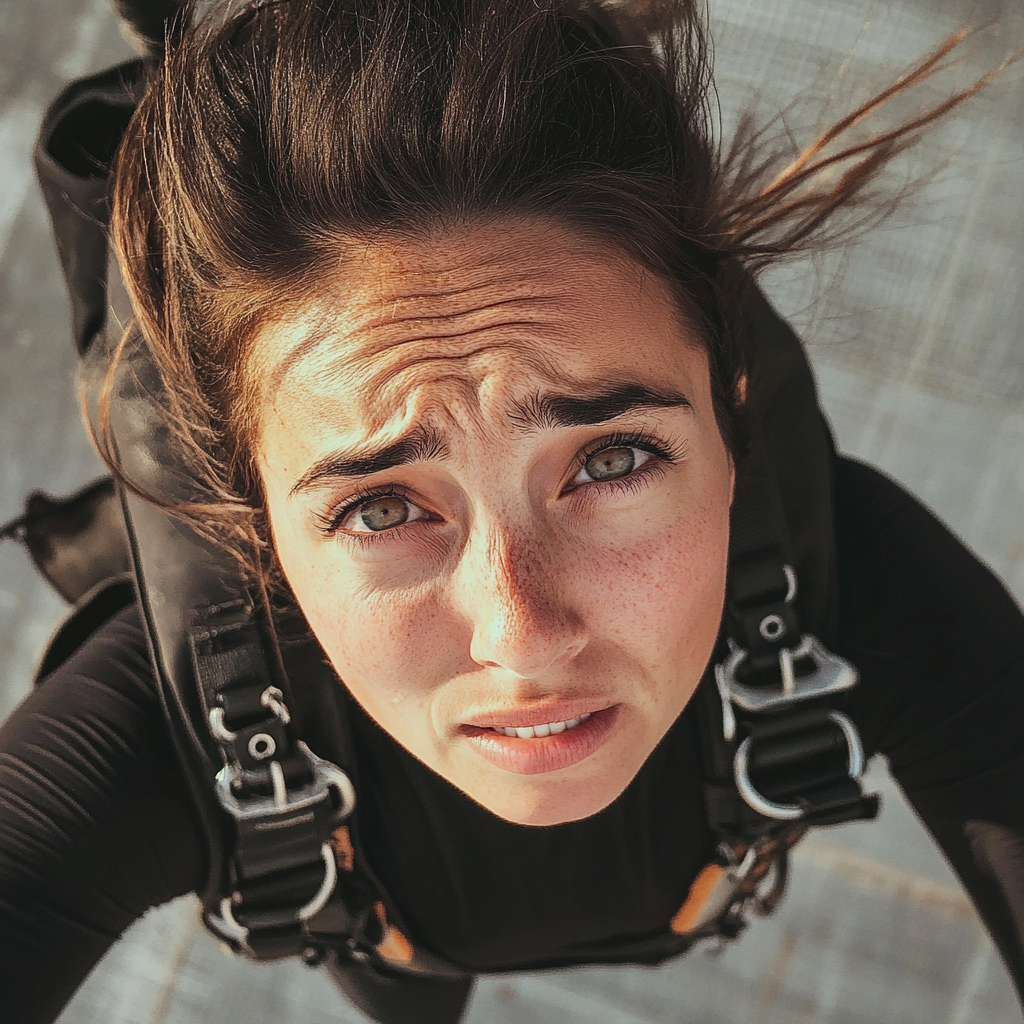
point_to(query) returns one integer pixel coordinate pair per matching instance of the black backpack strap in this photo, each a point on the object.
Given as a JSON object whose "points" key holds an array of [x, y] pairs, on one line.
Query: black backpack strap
{"points": [[780, 756], [270, 805], [794, 755]]}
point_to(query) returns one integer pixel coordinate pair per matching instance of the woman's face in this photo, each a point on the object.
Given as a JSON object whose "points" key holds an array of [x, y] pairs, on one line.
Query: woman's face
{"points": [[498, 491]]}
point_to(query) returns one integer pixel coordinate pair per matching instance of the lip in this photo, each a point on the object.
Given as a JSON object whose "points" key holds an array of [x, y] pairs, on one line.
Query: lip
{"points": [[547, 753], [536, 714]]}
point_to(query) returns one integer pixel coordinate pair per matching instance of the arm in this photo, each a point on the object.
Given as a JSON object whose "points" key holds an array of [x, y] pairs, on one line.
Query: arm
{"points": [[95, 825], [941, 647]]}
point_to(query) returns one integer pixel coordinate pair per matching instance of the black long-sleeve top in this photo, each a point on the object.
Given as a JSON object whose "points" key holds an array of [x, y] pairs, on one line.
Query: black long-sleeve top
{"points": [[96, 824]]}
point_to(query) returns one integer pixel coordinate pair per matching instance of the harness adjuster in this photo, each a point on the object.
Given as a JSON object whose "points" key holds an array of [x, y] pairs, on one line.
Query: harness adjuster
{"points": [[276, 814], [807, 671], [783, 734], [325, 777]]}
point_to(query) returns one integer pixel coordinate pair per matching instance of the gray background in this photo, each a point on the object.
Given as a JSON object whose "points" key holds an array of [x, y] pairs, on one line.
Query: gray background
{"points": [[914, 335]]}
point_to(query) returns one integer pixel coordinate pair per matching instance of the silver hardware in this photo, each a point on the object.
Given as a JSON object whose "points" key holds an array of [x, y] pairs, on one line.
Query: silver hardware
{"points": [[854, 747], [728, 715], [790, 583], [217, 727], [262, 746], [273, 699], [786, 669], [226, 925], [771, 627], [831, 674], [738, 869], [325, 775], [790, 812], [725, 899], [319, 901], [280, 786], [770, 890]]}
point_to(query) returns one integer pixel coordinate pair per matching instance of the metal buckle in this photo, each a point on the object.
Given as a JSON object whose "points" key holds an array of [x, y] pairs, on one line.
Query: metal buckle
{"points": [[283, 802], [831, 674], [727, 904], [790, 812], [227, 926], [325, 775]]}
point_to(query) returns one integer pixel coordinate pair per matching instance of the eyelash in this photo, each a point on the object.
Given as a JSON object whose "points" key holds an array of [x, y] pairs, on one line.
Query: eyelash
{"points": [[669, 453], [330, 522], [666, 453]]}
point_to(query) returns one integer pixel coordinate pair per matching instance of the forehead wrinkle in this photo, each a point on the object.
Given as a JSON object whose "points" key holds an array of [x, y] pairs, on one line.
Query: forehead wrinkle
{"points": [[449, 285], [448, 366], [419, 318], [339, 327], [395, 329], [452, 387], [384, 319], [324, 327]]}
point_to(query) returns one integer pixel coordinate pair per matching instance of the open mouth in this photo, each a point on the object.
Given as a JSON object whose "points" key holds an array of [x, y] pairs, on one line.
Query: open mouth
{"points": [[543, 746], [530, 732]]}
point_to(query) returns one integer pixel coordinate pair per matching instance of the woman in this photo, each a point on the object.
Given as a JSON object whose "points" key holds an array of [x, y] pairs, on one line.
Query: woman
{"points": [[446, 304]]}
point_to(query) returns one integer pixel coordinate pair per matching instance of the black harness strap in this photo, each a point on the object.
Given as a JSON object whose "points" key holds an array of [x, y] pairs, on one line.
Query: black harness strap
{"points": [[269, 804], [779, 756], [284, 801]]}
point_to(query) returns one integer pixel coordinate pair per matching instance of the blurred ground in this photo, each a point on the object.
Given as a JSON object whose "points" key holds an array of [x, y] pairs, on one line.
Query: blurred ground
{"points": [[915, 337]]}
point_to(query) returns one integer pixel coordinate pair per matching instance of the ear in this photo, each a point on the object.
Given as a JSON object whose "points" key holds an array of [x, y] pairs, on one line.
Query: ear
{"points": [[741, 390]]}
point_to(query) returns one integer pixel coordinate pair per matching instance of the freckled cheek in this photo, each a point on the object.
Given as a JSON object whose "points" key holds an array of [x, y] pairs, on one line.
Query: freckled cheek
{"points": [[661, 596], [387, 648]]}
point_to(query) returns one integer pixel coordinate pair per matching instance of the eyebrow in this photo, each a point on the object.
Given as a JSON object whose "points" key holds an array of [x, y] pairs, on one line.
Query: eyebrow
{"points": [[421, 444], [543, 412], [546, 412]]}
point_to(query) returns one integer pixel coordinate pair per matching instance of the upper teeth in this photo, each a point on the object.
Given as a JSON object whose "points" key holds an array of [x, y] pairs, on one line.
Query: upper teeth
{"points": [[530, 732]]}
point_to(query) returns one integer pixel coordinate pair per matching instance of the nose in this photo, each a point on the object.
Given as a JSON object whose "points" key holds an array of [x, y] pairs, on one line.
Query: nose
{"points": [[515, 599]]}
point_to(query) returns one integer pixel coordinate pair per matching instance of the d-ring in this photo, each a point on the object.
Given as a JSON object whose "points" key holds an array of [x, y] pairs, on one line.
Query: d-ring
{"points": [[227, 926], [790, 812]]}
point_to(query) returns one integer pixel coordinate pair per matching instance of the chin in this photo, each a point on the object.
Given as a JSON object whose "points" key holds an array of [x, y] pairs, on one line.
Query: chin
{"points": [[553, 802]]}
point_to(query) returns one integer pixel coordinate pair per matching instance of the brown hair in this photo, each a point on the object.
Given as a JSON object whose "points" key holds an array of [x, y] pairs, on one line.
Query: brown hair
{"points": [[270, 137]]}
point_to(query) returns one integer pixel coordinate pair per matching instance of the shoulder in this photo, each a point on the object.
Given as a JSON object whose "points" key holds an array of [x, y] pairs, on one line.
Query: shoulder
{"points": [[95, 815], [939, 641]]}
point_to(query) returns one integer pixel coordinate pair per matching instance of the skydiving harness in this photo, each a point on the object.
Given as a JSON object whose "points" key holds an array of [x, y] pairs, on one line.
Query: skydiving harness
{"points": [[780, 756], [287, 875]]}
